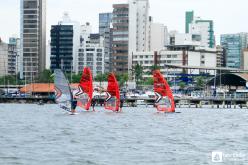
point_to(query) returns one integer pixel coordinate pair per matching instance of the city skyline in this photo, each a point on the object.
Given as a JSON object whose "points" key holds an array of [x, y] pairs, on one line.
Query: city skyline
{"points": [[227, 19]]}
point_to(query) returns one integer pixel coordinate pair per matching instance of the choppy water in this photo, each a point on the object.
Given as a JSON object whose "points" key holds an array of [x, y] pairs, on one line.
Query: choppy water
{"points": [[32, 134]]}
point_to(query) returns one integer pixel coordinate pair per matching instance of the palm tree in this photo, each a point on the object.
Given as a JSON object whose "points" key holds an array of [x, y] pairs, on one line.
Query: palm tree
{"points": [[200, 82], [101, 77], [153, 68], [45, 76], [182, 85], [125, 78], [138, 73]]}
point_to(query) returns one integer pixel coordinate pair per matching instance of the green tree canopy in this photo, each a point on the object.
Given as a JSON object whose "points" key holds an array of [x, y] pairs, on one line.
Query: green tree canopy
{"points": [[153, 68], [138, 72], [149, 81], [76, 77], [45, 76], [182, 85], [200, 82], [8, 80], [122, 79]]}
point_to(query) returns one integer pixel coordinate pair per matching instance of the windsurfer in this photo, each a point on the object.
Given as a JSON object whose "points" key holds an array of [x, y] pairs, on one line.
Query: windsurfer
{"points": [[122, 102], [73, 105], [93, 103]]}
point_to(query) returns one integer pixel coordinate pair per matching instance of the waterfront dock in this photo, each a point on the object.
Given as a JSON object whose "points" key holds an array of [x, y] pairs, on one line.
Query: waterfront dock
{"points": [[189, 102]]}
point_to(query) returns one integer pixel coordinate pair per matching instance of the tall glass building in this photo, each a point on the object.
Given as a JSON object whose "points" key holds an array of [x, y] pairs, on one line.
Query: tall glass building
{"points": [[104, 22], [106, 32], [234, 44], [62, 47], [33, 38]]}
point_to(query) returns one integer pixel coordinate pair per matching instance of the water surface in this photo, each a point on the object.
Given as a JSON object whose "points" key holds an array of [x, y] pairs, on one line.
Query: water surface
{"points": [[33, 134]]}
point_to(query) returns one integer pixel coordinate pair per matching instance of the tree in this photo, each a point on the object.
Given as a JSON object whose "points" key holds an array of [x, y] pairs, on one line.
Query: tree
{"points": [[138, 73], [149, 81], [152, 69], [122, 78], [8, 80], [125, 78], [45, 76], [200, 82], [76, 77], [101, 77], [182, 85]]}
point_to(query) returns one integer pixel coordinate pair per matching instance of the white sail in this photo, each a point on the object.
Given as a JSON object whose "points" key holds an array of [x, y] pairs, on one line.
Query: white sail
{"points": [[62, 90]]}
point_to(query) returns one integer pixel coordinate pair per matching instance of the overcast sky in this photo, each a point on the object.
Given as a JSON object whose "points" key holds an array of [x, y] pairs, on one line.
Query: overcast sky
{"points": [[229, 16]]}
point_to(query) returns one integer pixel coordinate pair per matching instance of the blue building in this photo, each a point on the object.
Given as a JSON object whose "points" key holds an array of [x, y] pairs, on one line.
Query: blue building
{"points": [[106, 32], [104, 22], [62, 47], [234, 44]]}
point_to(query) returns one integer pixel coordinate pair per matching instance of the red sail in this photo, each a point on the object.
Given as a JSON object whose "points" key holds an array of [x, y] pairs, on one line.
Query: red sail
{"points": [[112, 101], [164, 97], [85, 89]]}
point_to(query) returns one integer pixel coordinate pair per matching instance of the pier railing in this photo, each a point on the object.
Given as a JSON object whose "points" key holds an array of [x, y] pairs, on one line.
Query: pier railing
{"points": [[217, 98]]}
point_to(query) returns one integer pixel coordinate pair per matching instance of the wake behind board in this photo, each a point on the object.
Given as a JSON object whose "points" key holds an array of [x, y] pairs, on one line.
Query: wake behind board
{"points": [[73, 113]]}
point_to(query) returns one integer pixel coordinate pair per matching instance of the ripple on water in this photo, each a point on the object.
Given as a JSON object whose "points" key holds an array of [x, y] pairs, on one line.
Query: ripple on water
{"points": [[45, 135]]}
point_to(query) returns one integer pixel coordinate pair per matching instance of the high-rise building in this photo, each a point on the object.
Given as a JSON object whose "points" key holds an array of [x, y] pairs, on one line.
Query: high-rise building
{"points": [[158, 36], [65, 40], [234, 44], [245, 61], [62, 47], [13, 56], [139, 28], [189, 17], [91, 51], [131, 30], [33, 38], [120, 24], [200, 28], [221, 56], [105, 31], [3, 58], [104, 22]]}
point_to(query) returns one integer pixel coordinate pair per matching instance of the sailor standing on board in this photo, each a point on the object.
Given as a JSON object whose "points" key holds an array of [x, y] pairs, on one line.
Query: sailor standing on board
{"points": [[122, 99], [75, 95], [93, 103], [73, 105]]}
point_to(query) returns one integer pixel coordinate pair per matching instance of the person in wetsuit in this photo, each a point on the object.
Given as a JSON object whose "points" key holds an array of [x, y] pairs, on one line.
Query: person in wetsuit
{"points": [[73, 105], [93, 103], [122, 102]]}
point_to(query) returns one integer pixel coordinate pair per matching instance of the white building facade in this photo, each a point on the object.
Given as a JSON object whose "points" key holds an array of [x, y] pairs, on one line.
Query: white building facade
{"points": [[14, 64], [138, 28], [3, 58], [197, 58], [158, 37], [245, 61], [91, 51], [203, 31], [134, 31]]}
